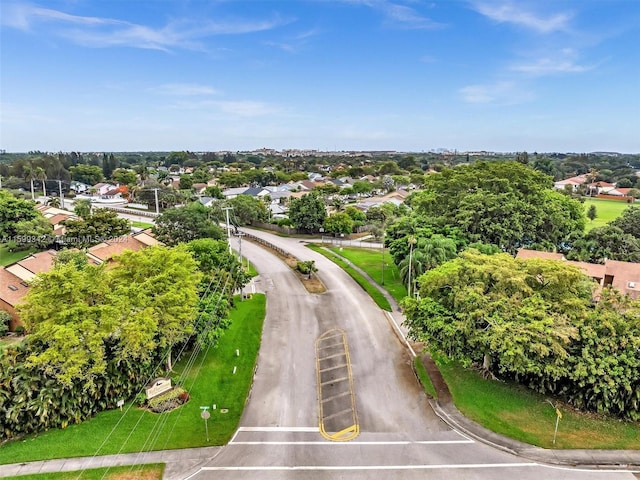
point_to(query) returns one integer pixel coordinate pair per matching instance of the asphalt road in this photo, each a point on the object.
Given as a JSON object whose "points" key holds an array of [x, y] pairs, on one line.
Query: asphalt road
{"points": [[398, 437]]}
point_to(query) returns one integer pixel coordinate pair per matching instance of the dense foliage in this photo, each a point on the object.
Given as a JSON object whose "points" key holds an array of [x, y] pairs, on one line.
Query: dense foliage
{"points": [[183, 224], [502, 203], [534, 321], [98, 334], [307, 213]]}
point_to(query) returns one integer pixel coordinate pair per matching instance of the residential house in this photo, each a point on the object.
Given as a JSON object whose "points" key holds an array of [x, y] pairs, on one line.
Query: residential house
{"points": [[623, 276], [15, 278], [102, 188], [55, 217], [230, 193], [575, 182]]}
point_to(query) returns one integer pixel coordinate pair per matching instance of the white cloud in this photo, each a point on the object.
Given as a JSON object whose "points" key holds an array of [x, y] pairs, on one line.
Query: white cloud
{"points": [[550, 66], [516, 13], [109, 32], [183, 89], [499, 93], [399, 15]]}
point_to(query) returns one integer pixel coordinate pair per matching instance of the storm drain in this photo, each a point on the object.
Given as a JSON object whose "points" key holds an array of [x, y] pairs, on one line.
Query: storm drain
{"points": [[336, 401]]}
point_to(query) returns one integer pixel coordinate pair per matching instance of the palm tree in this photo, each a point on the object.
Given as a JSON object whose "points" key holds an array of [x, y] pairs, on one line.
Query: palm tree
{"points": [[428, 254], [54, 202], [30, 174], [42, 176]]}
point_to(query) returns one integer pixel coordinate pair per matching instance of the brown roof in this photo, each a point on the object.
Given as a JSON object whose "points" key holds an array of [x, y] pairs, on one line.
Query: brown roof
{"points": [[106, 250], [11, 288], [626, 277], [525, 254], [38, 262], [594, 270], [57, 218]]}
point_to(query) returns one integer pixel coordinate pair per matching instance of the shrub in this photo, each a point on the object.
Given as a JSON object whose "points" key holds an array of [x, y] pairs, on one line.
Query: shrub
{"points": [[169, 400]]}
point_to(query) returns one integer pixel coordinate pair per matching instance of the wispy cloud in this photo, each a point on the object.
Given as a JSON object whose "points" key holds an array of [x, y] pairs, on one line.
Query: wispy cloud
{"points": [[109, 32], [296, 43], [183, 89], [519, 14], [552, 63], [549, 66], [499, 93], [399, 15]]}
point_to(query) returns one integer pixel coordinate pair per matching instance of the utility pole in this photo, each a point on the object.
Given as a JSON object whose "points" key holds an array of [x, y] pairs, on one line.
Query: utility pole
{"points": [[412, 240], [240, 235], [226, 209], [155, 193], [60, 192]]}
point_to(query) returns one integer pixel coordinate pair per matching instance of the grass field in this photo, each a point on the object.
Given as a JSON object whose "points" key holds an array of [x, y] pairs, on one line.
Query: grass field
{"points": [[150, 471], [519, 413], [7, 257], [606, 210], [370, 260], [210, 381]]}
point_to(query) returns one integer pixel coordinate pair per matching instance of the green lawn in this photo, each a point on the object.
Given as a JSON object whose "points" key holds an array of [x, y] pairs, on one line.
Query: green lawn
{"points": [[519, 413], [210, 381], [606, 210], [370, 260], [135, 223], [7, 257], [151, 471], [423, 376], [373, 292]]}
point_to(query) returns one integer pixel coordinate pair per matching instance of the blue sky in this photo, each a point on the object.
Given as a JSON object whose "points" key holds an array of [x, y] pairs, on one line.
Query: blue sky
{"points": [[405, 75]]}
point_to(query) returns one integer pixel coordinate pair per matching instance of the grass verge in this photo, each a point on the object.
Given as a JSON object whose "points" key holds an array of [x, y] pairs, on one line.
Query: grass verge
{"points": [[370, 260], [151, 471], [524, 415], [423, 376], [373, 292], [135, 223], [210, 381]]}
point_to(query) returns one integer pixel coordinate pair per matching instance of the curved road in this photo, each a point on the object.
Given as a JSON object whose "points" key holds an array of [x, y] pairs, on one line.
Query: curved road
{"points": [[399, 435]]}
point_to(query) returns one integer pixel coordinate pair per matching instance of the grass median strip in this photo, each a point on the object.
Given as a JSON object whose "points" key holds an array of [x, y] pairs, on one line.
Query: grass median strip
{"points": [[524, 415], [375, 294], [138, 430], [371, 261], [152, 471]]}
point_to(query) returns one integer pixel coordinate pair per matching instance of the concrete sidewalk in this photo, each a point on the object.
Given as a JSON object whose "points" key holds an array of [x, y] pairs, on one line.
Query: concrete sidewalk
{"points": [[179, 463]]}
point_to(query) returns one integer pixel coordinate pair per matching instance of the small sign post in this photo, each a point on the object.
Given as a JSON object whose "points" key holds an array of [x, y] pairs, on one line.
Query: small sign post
{"points": [[205, 416], [120, 404], [558, 417]]}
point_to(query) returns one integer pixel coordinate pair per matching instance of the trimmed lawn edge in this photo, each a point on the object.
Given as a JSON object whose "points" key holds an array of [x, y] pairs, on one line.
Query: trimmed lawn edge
{"points": [[373, 292], [516, 412], [423, 376], [152, 471]]}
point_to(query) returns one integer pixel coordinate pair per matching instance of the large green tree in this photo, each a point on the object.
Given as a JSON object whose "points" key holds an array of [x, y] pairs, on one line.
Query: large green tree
{"points": [[307, 213], [629, 221], [533, 321], [89, 174], [607, 242], [183, 224], [502, 203], [12, 211], [101, 225], [247, 209]]}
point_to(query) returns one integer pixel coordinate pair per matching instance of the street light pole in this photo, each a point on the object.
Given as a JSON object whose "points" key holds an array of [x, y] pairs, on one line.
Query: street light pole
{"points": [[412, 240]]}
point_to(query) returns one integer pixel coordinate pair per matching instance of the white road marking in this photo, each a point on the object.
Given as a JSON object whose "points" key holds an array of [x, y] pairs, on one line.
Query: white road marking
{"points": [[278, 429], [346, 444], [268, 468]]}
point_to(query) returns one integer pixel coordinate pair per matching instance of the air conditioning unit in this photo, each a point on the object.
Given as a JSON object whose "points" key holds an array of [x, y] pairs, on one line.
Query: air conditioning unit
{"points": [[632, 284]]}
